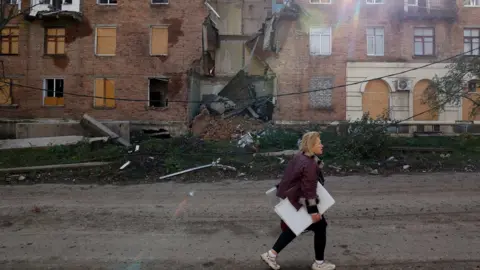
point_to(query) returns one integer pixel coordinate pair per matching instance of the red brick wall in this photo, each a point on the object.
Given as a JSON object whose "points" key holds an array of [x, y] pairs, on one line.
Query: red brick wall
{"points": [[349, 19], [130, 68]]}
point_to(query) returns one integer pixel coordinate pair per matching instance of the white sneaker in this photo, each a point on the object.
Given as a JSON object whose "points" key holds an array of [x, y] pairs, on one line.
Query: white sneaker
{"points": [[323, 266], [271, 261]]}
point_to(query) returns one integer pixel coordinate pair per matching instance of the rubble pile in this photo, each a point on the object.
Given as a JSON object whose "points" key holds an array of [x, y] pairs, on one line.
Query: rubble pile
{"points": [[211, 127]]}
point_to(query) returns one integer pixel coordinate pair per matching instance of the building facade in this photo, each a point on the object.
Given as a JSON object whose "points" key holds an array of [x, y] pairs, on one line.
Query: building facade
{"points": [[340, 43], [143, 51], [85, 53]]}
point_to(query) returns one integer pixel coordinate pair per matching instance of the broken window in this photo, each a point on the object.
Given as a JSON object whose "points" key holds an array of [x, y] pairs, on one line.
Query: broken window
{"points": [[6, 90], [104, 93], [9, 37], [158, 89], [321, 95], [53, 92], [320, 41], [106, 41], [159, 40], [68, 2], [55, 41], [107, 2]]}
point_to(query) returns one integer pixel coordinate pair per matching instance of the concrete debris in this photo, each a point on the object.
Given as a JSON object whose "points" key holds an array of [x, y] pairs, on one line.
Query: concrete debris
{"points": [[211, 127], [245, 140], [46, 142], [218, 104], [54, 167], [89, 122]]}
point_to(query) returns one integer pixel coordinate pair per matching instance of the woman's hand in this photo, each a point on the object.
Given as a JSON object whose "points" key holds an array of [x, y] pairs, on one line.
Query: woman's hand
{"points": [[316, 217]]}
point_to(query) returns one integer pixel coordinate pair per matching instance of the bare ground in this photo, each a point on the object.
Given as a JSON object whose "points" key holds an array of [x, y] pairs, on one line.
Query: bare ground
{"points": [[428, 221]]}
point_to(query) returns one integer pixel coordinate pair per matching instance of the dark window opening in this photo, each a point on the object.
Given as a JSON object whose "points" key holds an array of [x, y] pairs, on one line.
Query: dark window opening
{"points": [[54, 88], [158, 93], [159, 1], [107, 2], [473, 86], [57, 4]]}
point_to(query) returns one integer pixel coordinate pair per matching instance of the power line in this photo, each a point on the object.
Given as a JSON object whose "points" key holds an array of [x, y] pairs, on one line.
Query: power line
{"points": [[254, 99]]}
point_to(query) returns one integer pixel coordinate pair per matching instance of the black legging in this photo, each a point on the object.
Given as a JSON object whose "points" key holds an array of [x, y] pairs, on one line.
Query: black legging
{"points": [[320, 238]]}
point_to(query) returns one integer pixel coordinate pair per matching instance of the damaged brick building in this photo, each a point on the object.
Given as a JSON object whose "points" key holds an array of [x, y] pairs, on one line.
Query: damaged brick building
{"points": [[172, 55], [78, 49], [317, 44]]}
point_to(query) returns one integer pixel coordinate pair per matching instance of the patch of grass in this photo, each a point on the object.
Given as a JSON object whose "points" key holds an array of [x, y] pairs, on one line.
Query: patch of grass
{"points": [[81, 152]]}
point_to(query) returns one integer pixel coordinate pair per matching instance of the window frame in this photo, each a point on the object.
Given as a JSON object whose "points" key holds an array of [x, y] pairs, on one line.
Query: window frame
{"points": [[415, 37], [374, 2], [331, 40], [412, 5], [104, 106], [470, 42], [45, 91], [375, 28], [152, 3], [96, 39], [320, 2], [56, 41], [163, 26], [149, 104], [107, 4], [10, 38], [476, 3]]}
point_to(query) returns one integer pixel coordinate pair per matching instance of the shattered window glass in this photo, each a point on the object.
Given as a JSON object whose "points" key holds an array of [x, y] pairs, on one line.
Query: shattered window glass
{"points": [[322, 97]]}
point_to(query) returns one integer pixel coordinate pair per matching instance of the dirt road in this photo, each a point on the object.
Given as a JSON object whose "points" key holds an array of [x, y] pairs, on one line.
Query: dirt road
{"points": [[397, 222]]}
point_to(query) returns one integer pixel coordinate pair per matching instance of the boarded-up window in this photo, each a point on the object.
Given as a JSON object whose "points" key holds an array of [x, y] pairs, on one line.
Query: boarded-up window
{"points": [[159, 40], [6, 91], [53, 92], [321, 95], [104, 93], [10, 36], [106, 43], [55, 41]]}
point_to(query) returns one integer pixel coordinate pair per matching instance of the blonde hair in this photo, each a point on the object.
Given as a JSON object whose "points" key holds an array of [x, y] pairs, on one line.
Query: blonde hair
{"points": [[308, 142]]}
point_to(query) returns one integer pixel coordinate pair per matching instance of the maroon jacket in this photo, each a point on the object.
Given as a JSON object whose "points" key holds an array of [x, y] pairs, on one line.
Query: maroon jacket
{"points": [[299, 183]]}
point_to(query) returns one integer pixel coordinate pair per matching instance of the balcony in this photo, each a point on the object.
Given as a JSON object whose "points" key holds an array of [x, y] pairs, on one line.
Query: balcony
{"points": [[55, 9], [430, 9]]}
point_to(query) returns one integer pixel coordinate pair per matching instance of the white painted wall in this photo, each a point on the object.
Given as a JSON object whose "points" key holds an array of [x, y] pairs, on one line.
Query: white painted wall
{"points": [[401, 101], [37, 7]]}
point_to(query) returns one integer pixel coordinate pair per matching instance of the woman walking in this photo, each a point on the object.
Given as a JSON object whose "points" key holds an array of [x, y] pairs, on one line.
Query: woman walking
{"points": [[299, 185]]}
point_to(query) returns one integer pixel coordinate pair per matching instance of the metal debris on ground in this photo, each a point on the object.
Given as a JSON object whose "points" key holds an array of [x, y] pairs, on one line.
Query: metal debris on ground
{"points": [[125, 165], [213, 164]]}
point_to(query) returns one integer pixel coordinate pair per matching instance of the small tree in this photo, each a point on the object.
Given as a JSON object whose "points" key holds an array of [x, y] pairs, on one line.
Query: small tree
{"points": [[457, 85]]}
